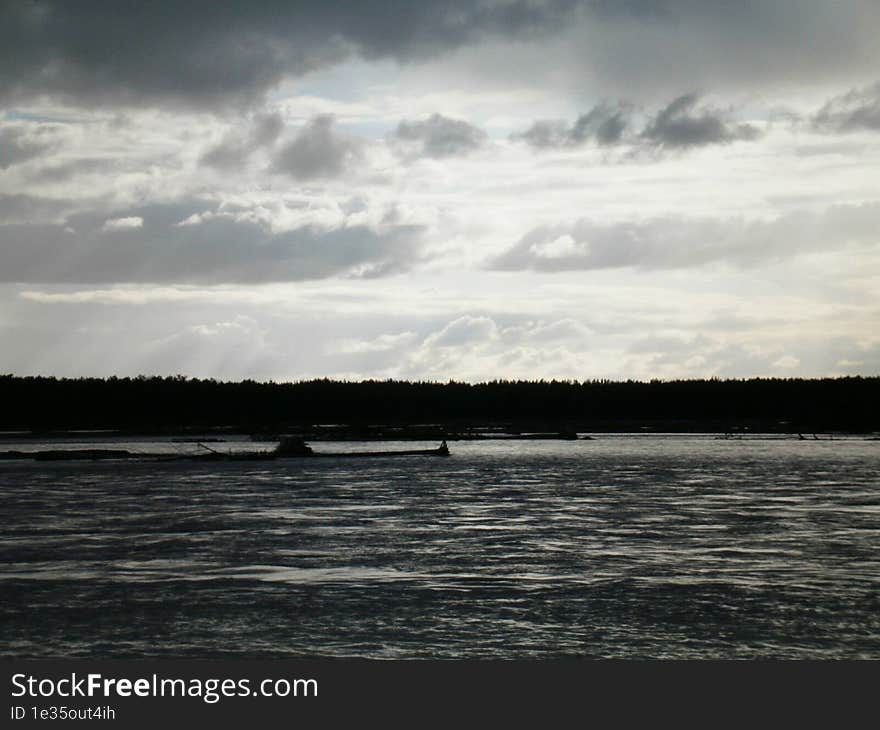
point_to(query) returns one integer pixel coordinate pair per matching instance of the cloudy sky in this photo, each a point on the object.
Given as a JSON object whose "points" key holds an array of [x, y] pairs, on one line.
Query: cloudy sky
{"points": [[467, 189]]}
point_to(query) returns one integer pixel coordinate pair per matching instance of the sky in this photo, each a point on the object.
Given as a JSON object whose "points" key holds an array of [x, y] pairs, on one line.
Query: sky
{"points": [[466, 189]]}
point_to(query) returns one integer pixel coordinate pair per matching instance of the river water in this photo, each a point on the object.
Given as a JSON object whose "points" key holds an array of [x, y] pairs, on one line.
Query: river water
{"points": [[624, 546]]}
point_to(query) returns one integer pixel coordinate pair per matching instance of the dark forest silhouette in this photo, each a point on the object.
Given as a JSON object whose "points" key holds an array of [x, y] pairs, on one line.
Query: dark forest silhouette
{"points": [[168, 404]]}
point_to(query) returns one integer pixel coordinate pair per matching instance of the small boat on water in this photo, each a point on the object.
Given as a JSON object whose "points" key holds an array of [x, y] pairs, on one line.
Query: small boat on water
{"points": [[290, 447]]}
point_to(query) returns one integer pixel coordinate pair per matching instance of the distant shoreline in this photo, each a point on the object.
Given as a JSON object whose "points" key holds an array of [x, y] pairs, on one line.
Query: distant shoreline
{"points": [[401, 410]]}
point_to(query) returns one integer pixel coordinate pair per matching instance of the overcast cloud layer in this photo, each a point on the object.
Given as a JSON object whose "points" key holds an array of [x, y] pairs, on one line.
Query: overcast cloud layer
{"points": [[470, 189]]}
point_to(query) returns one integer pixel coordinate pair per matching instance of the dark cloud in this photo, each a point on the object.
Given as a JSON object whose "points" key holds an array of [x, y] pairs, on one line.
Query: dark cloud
{"points": [[319, 151], [439, 136], [655, 49], [683, 124], [854, 111], [546, 134], [219, 249], [680, 124], [204, 52], [18, 145], [679, 44], [236, 147], [604, 124], [673, 243], [266, 129]]}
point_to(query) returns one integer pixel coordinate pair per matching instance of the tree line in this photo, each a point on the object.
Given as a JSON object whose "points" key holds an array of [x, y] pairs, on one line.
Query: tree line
{"points": [[177, 402]]}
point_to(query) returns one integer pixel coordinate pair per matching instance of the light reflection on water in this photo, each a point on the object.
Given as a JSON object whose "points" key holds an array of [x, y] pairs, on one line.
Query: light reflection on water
{"points": [[623, 546]]}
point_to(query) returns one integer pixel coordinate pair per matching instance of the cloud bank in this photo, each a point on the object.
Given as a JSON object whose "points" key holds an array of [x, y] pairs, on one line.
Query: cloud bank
{"points": [[171, 244], [683, 123], [676, 243], [291, 189], [205, 53]]}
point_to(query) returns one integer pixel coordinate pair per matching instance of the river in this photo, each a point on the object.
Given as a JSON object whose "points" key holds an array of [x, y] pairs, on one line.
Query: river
{"points": [[657, 546]]}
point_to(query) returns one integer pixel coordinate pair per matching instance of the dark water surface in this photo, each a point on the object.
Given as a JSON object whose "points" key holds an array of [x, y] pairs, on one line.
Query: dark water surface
{"points": [[619, 547]]}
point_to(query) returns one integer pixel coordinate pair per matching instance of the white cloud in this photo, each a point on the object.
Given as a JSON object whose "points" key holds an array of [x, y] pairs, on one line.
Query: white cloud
{"points": [[382, 343], [562, 247], [465, 330], [786, 362], [123, 224]]}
